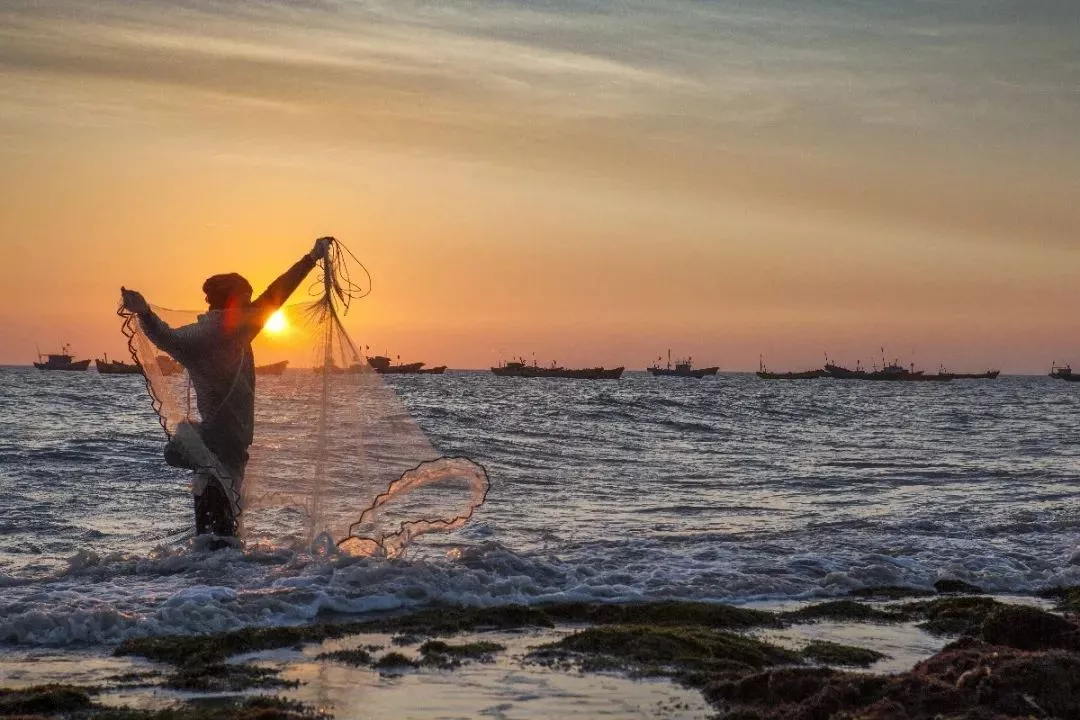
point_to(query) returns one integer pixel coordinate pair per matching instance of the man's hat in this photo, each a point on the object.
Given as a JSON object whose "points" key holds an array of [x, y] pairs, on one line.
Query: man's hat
{"points": [[226, 289]]}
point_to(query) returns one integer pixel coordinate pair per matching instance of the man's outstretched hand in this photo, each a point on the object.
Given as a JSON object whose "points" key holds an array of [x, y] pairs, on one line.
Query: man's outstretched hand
{"points": [[322, 247], [134, 301]]}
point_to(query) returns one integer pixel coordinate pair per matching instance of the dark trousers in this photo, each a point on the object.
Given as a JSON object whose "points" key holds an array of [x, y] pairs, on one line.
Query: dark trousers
{"points": [[213, 509]]}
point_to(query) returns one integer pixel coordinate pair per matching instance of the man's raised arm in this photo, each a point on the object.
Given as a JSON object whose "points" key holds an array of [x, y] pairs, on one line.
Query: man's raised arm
{"points": [[280, 290]]}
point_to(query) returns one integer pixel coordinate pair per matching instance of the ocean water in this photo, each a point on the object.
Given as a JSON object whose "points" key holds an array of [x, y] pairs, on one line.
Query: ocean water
{"points": [[727, 489]]}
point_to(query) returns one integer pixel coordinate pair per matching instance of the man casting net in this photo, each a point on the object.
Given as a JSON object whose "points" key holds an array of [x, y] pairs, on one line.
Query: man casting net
{"points": [[324, 452]]}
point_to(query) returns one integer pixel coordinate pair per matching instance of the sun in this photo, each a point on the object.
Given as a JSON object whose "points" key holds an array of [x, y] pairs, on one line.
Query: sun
{"points": [[276, 323]]}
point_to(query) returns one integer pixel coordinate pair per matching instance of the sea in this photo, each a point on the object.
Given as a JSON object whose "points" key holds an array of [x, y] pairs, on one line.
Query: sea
{"points": [[727, 489]]}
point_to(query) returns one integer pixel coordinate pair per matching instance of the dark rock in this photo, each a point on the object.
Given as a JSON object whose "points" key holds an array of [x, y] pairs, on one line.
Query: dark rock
{"points": [[952, 615], [957, 586], [43, 699], [664, 650], [661, 613], [1029, 628], [226, 677], [889, 592], [357, 656], [843, 610], [831, 653], [1068, 597]]}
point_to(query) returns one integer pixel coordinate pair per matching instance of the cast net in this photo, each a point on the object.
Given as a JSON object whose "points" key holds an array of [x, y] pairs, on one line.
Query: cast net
{"points": [[335, 459]]}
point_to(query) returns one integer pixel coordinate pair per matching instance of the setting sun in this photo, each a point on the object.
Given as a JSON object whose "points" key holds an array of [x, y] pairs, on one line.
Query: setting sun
{"points": [[276, 323]]}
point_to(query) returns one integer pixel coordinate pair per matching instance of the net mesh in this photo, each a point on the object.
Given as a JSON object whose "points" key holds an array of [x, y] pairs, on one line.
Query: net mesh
{"points": [[335, 460]]}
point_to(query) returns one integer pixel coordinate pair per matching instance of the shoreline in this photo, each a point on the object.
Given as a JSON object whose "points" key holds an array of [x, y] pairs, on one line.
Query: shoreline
{"points": [[873, 655]]}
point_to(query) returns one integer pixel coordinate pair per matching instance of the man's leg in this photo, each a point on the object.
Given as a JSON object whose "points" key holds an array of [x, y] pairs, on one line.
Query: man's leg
{"points": [[213, 510]]}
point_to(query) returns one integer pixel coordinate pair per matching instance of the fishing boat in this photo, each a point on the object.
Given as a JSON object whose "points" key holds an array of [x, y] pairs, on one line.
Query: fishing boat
{"points": [[383, 365], [62, 360], [1063, 373], [988, 375], [764, 374], [272, 369], [518, 368], [843, 373], [116, 367], [682, 368]]}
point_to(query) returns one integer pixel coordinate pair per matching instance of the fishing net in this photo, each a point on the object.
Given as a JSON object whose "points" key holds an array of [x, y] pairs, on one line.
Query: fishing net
{"points": [[335, 459]]}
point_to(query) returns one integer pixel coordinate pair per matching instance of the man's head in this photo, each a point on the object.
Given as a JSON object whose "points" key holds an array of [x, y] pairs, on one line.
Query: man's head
{"points": [[228, 290]]}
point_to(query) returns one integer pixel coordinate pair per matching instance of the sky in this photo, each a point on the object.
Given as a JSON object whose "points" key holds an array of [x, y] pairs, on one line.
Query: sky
{"points": [[582, 182]]}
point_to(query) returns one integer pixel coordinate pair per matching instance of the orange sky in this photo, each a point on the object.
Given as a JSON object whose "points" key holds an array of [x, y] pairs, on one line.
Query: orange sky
{"points": [[589, 186]]}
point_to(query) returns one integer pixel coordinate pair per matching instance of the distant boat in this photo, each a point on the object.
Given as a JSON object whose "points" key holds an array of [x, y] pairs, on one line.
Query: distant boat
{"points": [[168, 366], [764, 374], [682, 368], [383, 365], [842, 373], [895, 372], [272, 369], [115, 367], [518, 368], [988, 375], [1064, 373], [62, 360]]}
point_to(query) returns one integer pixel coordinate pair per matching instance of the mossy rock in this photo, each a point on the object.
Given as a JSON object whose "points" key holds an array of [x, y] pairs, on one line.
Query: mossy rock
{"points": [[661, 613], [44, 700], [1068, 597], [251, 708], [474, 650], [948, 586], [890, 592], [843, 610], [359, 657], [682, 649], [960, 615], [217, 647], [830, 653], [394, 661], [450, 620], [1029, 628], [226, 677]]}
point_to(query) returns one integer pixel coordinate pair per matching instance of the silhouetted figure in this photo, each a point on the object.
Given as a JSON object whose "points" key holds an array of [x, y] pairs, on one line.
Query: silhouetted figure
{"points": [[216, 352]]}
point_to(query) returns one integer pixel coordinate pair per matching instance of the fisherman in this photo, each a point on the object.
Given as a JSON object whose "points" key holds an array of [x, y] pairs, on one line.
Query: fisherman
{"points": [[216, 352]]}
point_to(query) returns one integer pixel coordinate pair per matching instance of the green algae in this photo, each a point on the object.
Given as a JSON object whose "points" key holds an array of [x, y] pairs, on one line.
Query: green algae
{"points": [[843, 610], [215, 648], [830, 653], [662, 650], [957, 586], [959, 615], [394, 660], [252, 708], [890, 592], [226, 677], [357, 656], [660, 613], [450, 620], [73, 703], [44, 699], [1068, 597], [474, 650], [1028, 628]]}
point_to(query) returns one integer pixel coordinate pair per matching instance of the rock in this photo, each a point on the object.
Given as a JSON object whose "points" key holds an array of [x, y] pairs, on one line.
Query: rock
{"points": [[957, 586], [1029, 628]]}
